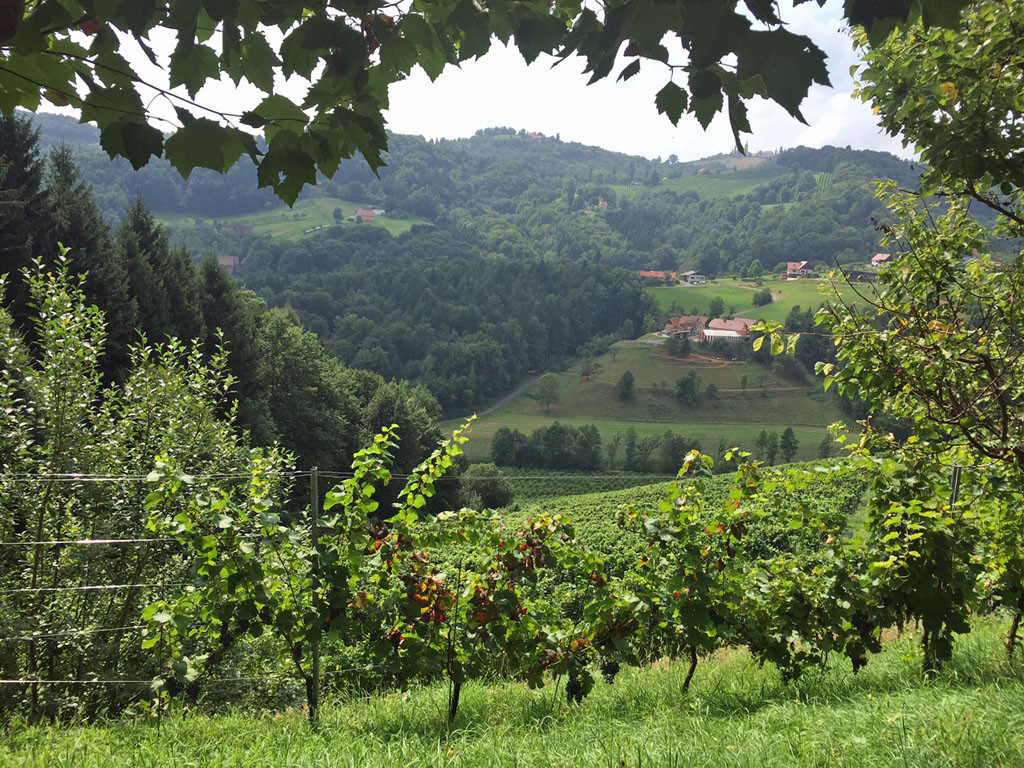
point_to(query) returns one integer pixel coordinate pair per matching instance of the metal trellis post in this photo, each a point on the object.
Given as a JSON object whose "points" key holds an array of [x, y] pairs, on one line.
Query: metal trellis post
{"points": [[314, 506]]}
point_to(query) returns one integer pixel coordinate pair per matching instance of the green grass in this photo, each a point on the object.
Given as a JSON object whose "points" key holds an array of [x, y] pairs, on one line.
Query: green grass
{"points": [[735, 716], [739, 295], [292, 223]]}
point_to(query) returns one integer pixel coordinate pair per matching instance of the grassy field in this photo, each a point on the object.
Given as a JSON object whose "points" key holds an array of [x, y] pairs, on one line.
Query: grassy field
{"points": [[724, 184], [739, 296], [737, 415], [735, 716], [292, 223]]}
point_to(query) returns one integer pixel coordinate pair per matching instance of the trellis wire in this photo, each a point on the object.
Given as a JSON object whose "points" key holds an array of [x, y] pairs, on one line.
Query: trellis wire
{"points": [[71, 633], [87, 588], [82, 542]]}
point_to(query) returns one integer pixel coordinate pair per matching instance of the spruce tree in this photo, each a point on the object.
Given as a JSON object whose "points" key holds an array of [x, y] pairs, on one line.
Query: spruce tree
{"points": [[25, 224], [78, 225]]}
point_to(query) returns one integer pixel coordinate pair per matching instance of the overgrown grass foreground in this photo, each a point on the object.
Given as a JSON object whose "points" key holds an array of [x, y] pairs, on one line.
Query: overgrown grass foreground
{"points": [[971, 714]]}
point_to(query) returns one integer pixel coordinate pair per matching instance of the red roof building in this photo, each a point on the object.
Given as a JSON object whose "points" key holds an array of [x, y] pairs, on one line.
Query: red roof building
{"points": [[365, 214], [798, 268], [228, 262], [651, 275], [740, 325], [687, 325]]}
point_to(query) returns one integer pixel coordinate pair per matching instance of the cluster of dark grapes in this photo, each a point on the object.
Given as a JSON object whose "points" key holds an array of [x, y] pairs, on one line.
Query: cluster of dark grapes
{"points": [[609, 670], [574, 691]]}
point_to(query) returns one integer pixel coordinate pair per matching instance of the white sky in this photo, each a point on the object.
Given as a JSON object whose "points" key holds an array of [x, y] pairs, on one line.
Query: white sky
{"points": [[499, 89]]}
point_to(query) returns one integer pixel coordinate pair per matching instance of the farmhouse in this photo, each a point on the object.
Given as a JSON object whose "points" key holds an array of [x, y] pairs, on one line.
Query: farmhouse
{"points": [[365, 214], [795, 269], [603, 205], [652, 275], [685, 326], [692, 277], [880, 259], [228, 262]]}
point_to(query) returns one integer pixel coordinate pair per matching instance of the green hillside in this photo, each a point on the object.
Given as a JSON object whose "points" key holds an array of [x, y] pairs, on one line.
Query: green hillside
{"points": [[750, 398], [305, 218]]}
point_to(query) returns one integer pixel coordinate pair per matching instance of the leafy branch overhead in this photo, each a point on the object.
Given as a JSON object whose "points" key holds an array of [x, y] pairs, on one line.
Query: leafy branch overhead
{"points": [[68, 52]]}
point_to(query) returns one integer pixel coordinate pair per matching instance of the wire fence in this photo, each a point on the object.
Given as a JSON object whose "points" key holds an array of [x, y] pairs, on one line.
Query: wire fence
{"points": [[122, 631]]}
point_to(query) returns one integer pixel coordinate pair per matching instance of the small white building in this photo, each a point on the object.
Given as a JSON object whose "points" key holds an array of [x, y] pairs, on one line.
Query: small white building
{"points": [[730, 337], [693, 278]]}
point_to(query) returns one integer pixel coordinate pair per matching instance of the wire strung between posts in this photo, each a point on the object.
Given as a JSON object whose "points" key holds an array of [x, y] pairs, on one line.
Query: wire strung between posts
{"points": [[89, 588], [82, 542], [216, 681], [84, 478], [74, 633], [512, 478]]}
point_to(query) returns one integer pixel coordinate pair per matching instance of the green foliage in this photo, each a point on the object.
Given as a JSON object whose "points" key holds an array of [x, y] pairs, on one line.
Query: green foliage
{"points": [[547, 390], [555, 447], [955, 95], [60, 418], [788, 445], [624, 389], [487, 486]]}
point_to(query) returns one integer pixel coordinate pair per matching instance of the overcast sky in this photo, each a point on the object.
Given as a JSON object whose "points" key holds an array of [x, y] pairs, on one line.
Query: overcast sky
{"points": [[501, 90]]}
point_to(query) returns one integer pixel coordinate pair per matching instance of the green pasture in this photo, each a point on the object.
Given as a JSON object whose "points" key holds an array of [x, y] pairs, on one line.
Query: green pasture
{"points": [[286, 223], [712, 185], [739, 296], [736, 715], [699, 297]]}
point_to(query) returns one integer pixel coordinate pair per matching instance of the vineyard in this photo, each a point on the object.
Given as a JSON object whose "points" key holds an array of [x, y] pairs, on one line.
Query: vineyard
{"points": [[531, 484], [343, 600]]}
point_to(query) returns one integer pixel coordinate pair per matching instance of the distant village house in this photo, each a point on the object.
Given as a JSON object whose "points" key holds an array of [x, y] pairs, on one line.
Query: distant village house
{"points": [[880, 259], [686, 326], [652, 275], [692, 277], [228, 262], [796, 269], [365, 214]]}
